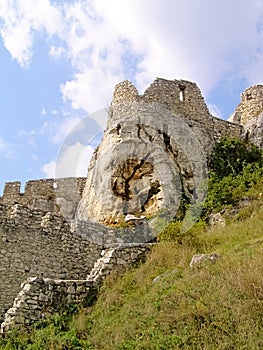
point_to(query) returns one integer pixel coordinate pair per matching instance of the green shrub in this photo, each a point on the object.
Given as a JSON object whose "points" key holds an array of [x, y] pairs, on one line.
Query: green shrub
{"points": [[230, 157], [234, 168], [173, 232]]}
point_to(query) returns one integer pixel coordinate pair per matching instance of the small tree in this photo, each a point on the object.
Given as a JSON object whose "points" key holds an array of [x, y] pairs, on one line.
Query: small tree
{"points": [[230, 157]]}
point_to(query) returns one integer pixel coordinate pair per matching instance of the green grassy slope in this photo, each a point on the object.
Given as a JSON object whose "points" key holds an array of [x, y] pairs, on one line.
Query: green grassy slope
{"points": [[210, 306]]}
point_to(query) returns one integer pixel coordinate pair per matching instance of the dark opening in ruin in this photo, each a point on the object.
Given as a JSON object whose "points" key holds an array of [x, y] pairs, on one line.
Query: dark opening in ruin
{"points": [[182, 93], [118, 129], [249, 96]]}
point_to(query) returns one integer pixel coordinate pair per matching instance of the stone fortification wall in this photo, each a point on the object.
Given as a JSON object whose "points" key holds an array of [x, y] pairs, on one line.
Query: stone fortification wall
{"points": [[180, 97], [251, 105], [40, 297], [46, 195], [35, 244]]}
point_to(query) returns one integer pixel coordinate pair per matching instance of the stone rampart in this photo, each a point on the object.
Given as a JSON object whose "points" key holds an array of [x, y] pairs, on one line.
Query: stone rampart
{"points": [[37, 244], [47, 194], [181, 99], [41, 297]]}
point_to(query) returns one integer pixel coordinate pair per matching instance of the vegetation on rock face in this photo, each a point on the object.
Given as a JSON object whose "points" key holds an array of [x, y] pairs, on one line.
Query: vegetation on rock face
{"points": [[231, 156], [235, 166], [210, 306]]}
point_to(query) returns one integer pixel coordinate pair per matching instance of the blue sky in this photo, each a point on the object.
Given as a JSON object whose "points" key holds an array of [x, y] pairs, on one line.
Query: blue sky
{"points": [[60, 60]]}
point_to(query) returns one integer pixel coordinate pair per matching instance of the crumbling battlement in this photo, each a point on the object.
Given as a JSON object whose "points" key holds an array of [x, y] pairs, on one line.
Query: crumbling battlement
{"points": [[61, 258], [40, 297], [181, 99], [178, 96], [251, 105], [46, 194]]}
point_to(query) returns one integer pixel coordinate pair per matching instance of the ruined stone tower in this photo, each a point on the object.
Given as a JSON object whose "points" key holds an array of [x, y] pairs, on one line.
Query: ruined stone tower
{"points": [[249, 113], [251, 105], [154, 150]]}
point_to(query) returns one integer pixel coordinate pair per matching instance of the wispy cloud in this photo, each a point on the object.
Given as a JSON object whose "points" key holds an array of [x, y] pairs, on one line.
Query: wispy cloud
{"points": [[108, 41], [72, 162], [214, 110], [21, 20], [7, 150], [57, 130], [201, 41]]}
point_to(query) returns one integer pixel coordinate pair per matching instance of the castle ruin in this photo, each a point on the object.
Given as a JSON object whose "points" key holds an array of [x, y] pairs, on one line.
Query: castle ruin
{"points": [[154, 149]]}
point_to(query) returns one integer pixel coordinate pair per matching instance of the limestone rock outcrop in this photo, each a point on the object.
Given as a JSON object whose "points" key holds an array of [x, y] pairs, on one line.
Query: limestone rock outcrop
{"points": [[153, 152], [249, 114], [254, 130]]}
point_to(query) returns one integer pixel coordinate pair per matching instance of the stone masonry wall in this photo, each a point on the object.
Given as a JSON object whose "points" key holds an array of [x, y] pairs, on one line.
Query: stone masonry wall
{"points": [[251, 105], [37, 244], [40, 297], [46, 195], [181, 98]]}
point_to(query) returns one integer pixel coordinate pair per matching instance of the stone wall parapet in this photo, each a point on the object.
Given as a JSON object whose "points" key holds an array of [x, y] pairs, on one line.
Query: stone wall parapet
{"points": [[178, 98], [45, 194]]}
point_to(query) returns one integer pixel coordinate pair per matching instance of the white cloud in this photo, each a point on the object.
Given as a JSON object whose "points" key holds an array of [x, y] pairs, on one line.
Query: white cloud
{"points": [[204, 41], [28, 136], [214, 110], [72, 162], [7, 150], [49, 170], [21, 18], [200, 41], [54, 112], [196, 40], [43, 111], [56, 51], [59, 129]]}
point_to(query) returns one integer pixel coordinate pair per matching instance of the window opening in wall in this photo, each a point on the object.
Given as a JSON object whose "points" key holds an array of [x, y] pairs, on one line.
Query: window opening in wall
{"points": [[182, 93], [118, 129], [249, 96], [22, 187]]}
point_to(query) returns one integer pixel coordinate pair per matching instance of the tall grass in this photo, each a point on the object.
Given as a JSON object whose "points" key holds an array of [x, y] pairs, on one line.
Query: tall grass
{"points": [[209, 306]]}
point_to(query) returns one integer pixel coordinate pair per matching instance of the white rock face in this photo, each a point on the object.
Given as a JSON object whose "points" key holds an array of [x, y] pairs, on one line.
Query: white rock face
{"points": [[147, 160], [254, 130]]}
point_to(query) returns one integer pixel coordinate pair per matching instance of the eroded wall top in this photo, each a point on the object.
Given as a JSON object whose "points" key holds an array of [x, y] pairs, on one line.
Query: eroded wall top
{"points": [[251, 105], [45, 194], [178, 96]]}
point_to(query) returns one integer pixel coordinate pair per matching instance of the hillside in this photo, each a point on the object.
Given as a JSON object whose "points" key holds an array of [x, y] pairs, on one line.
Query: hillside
{"points": [[164, 303]]}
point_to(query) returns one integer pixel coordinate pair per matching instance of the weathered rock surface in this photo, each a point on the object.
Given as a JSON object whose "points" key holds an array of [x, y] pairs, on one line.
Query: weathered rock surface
{"points": [[198, 259], [254, 130], [152, 153], [216, 220]]}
